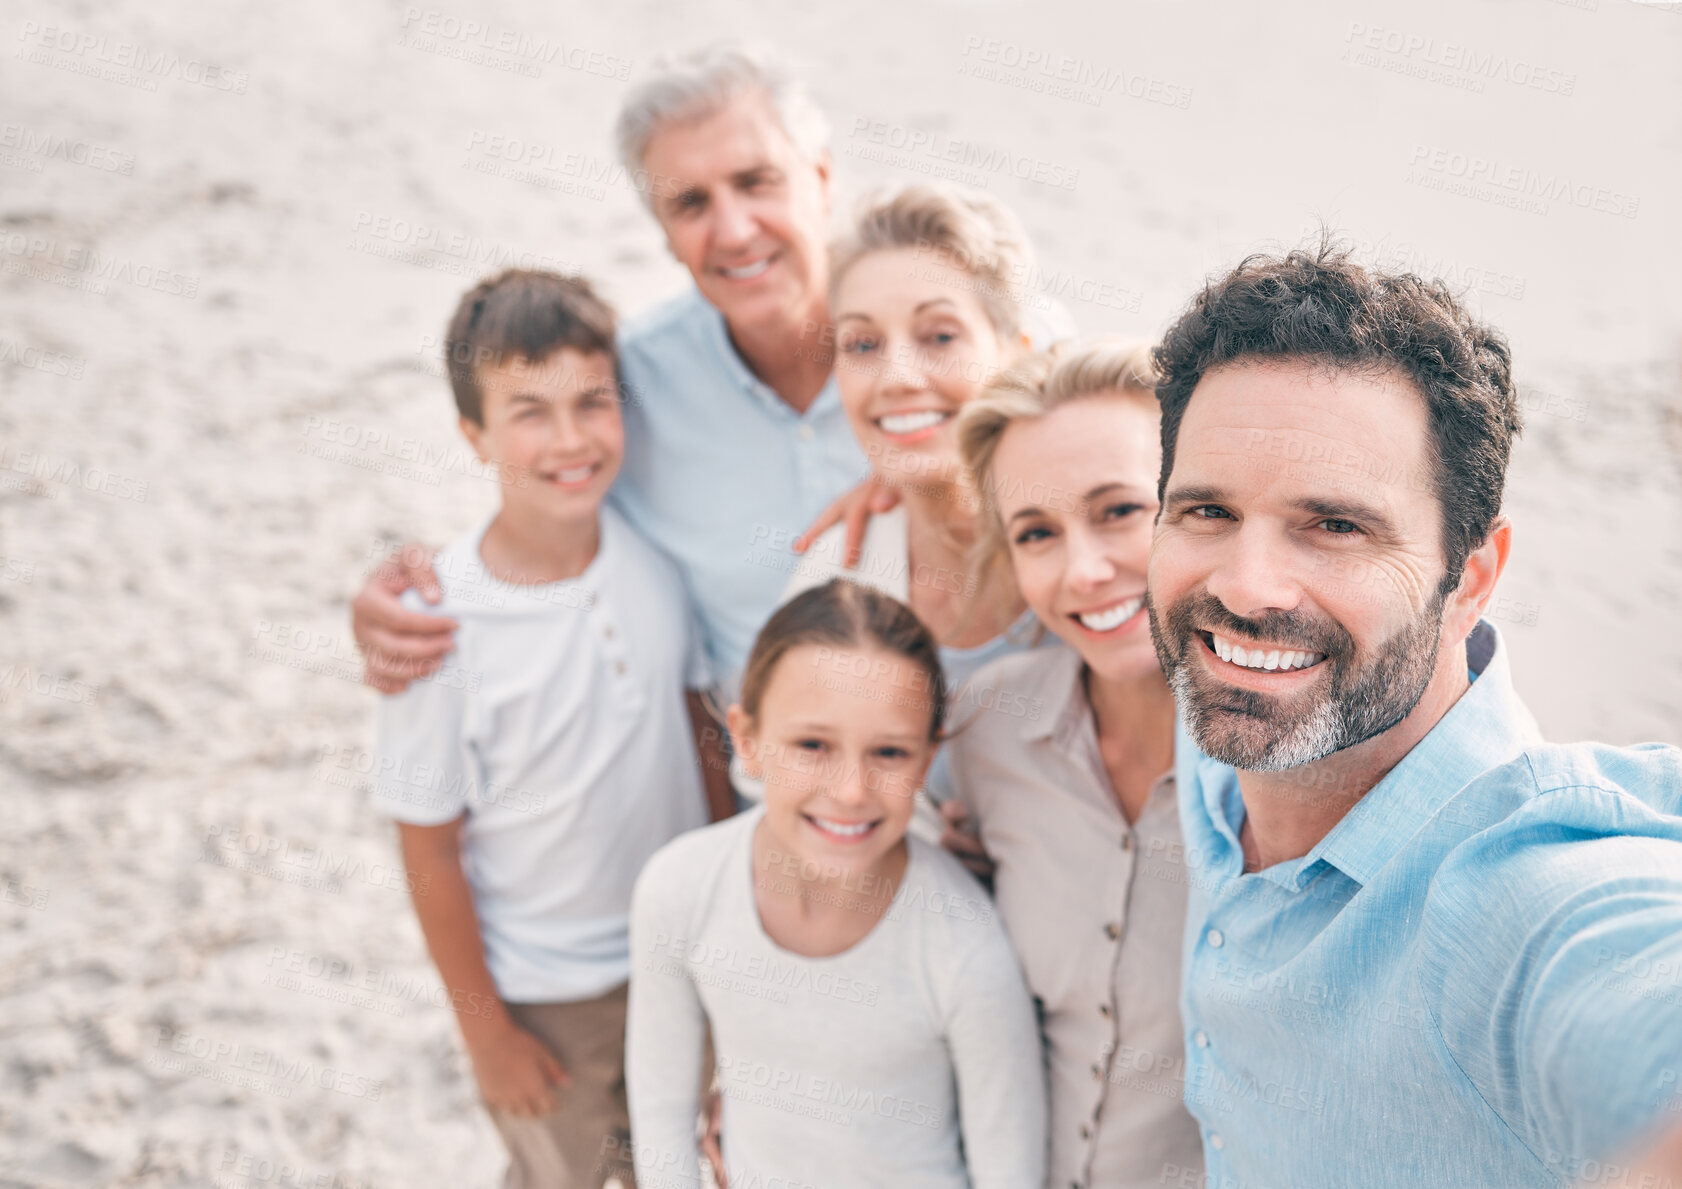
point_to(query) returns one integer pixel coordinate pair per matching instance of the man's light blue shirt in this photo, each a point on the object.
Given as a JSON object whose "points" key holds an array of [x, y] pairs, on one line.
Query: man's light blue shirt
{"points": [[1475, 979], [720, 472]]}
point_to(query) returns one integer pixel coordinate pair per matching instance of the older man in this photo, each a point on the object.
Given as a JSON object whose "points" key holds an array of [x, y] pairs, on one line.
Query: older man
{"points": [[1423, 947], [735, 435]]}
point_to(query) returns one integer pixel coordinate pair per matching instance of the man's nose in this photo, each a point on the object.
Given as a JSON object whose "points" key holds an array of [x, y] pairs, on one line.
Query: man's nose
{"points": [[733, 224], [1255, 574]]}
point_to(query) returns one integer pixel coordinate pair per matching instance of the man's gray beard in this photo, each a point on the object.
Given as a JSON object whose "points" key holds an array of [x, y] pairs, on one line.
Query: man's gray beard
{"points": [[1312, 738], [1358, 707]]}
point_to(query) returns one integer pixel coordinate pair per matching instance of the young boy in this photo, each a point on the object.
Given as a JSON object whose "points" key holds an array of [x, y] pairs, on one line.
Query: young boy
{"points": [[533, 775]]}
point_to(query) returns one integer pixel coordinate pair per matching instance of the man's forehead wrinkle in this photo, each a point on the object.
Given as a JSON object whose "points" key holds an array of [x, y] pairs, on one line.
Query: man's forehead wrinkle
{"points": [[1275, 423], [722, 153]]}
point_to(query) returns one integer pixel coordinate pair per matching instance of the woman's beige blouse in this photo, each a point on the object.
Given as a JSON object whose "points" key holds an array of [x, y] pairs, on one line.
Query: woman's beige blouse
{"points": [[1095, 909]]}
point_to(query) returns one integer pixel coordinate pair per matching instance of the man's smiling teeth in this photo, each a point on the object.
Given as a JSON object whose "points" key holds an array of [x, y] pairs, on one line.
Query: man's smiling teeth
{"points": [[575, 474], [1259, 658], [747, 271], [843, 829], [911, 422], [1108, 621]]}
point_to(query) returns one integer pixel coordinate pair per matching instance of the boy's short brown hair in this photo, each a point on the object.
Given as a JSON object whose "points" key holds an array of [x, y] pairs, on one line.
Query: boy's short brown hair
{"points": [[520, 314]]}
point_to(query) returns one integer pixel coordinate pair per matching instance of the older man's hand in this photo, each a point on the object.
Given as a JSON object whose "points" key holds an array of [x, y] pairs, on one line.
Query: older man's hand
{"points": [[399, 645]]}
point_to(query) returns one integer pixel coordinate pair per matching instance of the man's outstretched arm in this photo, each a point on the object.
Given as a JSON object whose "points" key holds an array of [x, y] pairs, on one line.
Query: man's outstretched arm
{"points": [[1562, 998]]}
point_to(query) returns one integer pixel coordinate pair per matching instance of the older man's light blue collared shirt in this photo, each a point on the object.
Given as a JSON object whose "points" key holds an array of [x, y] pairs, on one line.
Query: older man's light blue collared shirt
{"points": [[1474, 980], [719, 471]]}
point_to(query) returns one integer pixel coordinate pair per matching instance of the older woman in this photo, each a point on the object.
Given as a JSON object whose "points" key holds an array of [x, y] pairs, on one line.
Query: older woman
{"points": [[1069, 770]]}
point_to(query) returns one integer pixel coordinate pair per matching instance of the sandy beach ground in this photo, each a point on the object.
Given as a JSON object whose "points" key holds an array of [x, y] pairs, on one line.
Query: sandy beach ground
{"points": [[229, 238]]}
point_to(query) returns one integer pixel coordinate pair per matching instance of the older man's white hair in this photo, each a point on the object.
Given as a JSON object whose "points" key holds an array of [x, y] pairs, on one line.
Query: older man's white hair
{"points": [[694, 86]]}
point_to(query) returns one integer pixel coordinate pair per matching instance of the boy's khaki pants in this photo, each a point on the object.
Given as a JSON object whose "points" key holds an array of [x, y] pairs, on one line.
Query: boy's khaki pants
{"points": [[587, 1137]]}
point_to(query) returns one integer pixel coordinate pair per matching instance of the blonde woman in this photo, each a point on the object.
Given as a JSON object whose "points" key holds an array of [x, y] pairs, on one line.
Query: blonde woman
{"points": [[1069, 772]]}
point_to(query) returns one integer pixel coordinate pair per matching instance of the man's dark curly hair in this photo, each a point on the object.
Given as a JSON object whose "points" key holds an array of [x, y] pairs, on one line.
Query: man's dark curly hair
{"points": [[1318, 305]]}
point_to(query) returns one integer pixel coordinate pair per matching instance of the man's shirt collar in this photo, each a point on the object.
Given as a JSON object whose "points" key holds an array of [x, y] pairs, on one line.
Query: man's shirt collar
{"points": [[1487, 726], [732, 364]]}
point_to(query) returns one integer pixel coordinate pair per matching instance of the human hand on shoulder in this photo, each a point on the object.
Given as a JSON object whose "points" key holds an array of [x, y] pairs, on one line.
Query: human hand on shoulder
{"points": [[870, 498], [400, 646]]}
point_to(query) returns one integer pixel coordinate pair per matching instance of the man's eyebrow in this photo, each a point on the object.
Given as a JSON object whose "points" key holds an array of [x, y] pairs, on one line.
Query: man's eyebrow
{"points": [[1371, 515], [1205, 493], [683, 194], [933, 301], [754, 171]]}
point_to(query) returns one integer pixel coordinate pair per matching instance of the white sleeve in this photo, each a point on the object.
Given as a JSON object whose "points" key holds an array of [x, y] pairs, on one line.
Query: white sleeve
{"points": [[424, 772], [996, 1056], [665, 1034]]}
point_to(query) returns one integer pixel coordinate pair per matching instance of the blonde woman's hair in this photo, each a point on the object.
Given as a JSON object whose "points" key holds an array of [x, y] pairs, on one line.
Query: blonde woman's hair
{"points": [[967, 229], [1035, 386]]}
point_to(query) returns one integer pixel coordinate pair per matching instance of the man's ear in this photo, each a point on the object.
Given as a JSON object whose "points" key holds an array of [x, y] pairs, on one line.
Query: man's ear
{"points": [[1478, 579], [824, 167], [742, 741]]}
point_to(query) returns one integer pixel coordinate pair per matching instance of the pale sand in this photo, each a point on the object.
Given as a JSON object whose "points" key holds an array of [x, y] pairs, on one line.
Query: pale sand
{"points": [[149, 706]]}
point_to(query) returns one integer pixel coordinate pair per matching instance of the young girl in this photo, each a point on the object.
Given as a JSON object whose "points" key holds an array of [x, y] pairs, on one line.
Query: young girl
{"points": [[927, 295], [870, 1022]]}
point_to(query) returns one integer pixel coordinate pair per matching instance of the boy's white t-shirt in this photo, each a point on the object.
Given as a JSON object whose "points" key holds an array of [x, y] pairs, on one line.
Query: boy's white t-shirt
{"points": [[559, 727]]}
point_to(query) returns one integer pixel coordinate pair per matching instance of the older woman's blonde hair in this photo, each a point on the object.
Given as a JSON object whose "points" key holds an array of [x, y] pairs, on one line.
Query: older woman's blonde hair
{"points": [[1033, 387], [970, 230]]}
